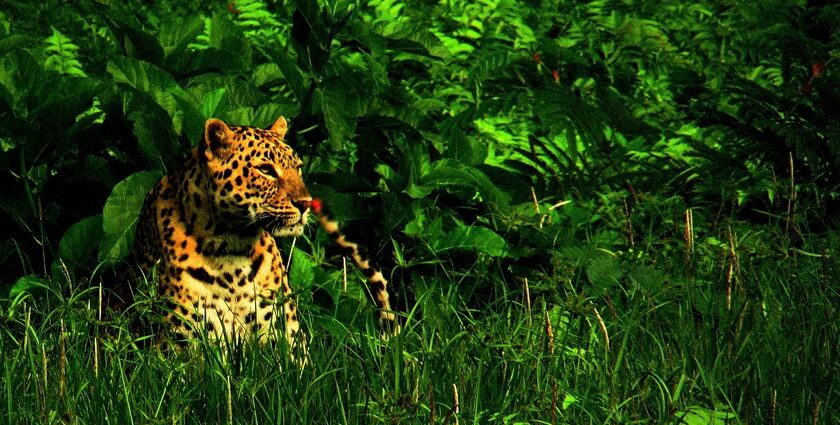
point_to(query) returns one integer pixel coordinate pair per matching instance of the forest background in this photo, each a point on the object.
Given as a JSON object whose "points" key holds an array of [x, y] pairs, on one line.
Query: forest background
{"points": [[591, 212]]}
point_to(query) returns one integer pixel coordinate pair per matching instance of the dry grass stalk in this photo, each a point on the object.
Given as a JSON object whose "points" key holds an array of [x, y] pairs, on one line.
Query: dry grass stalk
{"points": [[291, 251], [343, 274], [534, 199], [791, 206], [537, 208], [229, 401], [558, 205], [816, 413], [628, 225], [26, 329], [42, 392], [732, 268], [457, 403], [603, 327], [549, 333], [456, 407], [431, 405], [62, 363], [96, 337], [528, 300], [688, 234]]}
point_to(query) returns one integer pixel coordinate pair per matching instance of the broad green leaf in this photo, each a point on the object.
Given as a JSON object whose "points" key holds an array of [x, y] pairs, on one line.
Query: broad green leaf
{"points": [[472, 238], [240, 93], [397, 210], [416, 160], [449, 173], [430, 105], [301, 270], [467, 150], [405, 45], [136, 42], [61, 99], [698, 415], [568, 401], [158, 84], [226, 36], [263, 116], [26, 284], [80, 242], [188, 119], [220, 47], [176, 34], [418, 191], [267, 75], [416, 40], [20, 74], [420, 227], [13, 41], [340, 105], [120, 214], [210, 102], [293, 75], [155, 138], [141, 75]]}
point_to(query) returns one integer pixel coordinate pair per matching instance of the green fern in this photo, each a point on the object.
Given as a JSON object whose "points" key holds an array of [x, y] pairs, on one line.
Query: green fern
{"points": [[257, 22], [62, 55], [488, 66], [202, 42]]}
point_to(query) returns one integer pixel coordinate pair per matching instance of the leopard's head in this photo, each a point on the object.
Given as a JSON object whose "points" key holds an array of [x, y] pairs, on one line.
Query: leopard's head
{"points": [[256, 177]]}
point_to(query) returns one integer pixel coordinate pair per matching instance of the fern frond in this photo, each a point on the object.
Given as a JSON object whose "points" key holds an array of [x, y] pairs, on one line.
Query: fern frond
{"points": [[488, 66], [61, 55], [202, 42], [257, 22]]}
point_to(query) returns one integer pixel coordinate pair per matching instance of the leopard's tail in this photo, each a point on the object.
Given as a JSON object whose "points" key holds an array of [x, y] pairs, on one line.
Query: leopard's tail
{"points": [[376, 280]]}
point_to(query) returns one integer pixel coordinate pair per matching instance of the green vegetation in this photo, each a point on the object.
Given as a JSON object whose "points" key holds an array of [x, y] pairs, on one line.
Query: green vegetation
{"points": [[593, 212]]}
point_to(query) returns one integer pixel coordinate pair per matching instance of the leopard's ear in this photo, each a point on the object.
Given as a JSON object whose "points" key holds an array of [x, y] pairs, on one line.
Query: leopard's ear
{"points": [[280, 126], [217, 137]]}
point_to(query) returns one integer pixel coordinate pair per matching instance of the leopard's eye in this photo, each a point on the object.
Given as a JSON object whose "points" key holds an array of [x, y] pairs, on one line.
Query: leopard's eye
{"points": [[268, 170]]}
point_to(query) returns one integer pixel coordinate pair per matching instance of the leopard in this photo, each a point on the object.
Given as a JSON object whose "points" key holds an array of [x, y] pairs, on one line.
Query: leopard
{"points": [[210, 231]]}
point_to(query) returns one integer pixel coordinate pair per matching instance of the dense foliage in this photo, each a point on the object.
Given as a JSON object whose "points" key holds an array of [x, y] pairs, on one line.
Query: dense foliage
{"points": [[595, 212]]}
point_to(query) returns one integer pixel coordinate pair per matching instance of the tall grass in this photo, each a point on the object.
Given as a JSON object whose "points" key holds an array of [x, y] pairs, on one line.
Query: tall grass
{"points": [[676, 355]]}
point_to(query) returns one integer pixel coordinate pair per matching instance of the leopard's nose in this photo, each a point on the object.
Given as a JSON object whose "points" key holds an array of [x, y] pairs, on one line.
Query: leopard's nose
{"points": [[302, 204]]}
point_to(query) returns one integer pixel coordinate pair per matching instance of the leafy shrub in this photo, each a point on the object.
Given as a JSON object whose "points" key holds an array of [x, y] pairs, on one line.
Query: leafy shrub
{"points": [[629, 158]]}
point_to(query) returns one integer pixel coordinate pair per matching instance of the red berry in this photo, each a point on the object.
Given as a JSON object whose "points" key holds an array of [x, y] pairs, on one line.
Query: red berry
{"points": [[537, 58], [817, 69], [316, 205], [556, 75]]}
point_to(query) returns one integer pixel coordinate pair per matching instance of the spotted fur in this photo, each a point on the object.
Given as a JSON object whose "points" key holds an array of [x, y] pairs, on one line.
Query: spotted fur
{"points": [[210, 228]]}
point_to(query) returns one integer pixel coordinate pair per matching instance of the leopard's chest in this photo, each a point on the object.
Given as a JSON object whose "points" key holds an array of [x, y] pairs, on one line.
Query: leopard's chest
{"points": [[225, 295]]}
